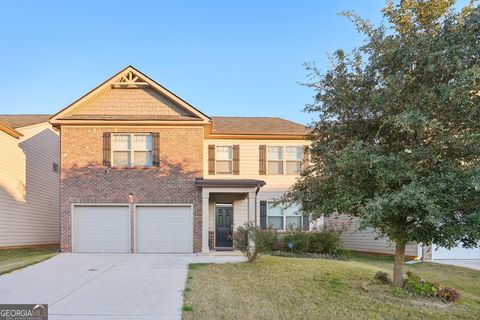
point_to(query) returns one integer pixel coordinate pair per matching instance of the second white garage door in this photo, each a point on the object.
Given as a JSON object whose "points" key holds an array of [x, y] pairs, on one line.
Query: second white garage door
{"points": [[163, 229]]}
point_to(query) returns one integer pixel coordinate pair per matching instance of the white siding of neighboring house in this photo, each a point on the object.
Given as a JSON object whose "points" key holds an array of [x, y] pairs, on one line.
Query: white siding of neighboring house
{"points": [[364, 240], [29, 188]]}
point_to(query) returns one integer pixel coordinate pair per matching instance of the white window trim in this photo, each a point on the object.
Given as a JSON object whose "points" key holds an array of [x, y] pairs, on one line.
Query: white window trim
{"points": [[284, 160], [131, 150], [216, 160], [284, 218]]}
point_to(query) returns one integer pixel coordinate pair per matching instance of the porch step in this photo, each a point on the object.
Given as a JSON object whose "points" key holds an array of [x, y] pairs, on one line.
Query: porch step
{"points": [[222, 253]]}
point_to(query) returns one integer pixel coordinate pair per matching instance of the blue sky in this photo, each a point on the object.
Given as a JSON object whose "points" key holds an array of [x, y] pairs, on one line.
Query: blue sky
{"points": [[241, 58]]}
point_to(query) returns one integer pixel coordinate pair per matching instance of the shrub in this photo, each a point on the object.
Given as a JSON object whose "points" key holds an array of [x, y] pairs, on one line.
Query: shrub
{"points": [[383, 277], [253, 241], [296, 241], [413, 283], [280, 245], [326, 240], [448, 294], [309, 255], [341, 252]]}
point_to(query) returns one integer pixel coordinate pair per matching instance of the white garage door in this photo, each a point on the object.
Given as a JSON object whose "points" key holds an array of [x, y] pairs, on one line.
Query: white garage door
{"points": [[455, 253], [163, 229], [101, 229]]}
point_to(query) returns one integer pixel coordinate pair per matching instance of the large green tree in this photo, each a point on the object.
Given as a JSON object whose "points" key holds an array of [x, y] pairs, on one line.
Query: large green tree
{"points": [[397, 141]]}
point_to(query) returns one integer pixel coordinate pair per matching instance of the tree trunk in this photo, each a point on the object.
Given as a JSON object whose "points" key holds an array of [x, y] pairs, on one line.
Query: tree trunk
{"points": [[398, 265]]}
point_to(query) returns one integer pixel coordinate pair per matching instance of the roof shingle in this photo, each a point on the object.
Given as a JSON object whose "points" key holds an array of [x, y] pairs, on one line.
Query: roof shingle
{"points": [[23, 120], [257, 125]]}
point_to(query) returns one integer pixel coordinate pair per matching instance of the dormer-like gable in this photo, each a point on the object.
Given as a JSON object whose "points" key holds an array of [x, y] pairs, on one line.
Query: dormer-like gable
{"points": [[129, 97]]}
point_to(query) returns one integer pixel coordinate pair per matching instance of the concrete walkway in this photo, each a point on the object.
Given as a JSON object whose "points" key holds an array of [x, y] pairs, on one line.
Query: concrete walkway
{"points": [[106, 286], [472, 264]]}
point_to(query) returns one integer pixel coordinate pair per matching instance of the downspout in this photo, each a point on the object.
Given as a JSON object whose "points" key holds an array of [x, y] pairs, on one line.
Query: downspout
{"points": [[256, 194]]}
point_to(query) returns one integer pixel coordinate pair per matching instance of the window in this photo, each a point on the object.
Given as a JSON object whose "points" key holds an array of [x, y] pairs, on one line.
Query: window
{"points": [[279, 164], [275, 160], [55, 167], [224, 159], [280, 218], [131, 150], [293, 157]]}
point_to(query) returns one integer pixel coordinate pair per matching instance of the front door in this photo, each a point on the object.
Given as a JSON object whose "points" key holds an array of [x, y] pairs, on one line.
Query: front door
{"points": [[223, 227]]}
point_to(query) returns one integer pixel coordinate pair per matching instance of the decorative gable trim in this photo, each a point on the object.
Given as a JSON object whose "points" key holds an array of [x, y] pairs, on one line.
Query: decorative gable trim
{"points": [[128, 78]]}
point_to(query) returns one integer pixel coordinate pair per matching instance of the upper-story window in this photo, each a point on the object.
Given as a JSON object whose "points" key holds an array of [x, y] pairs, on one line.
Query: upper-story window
{"points": [[275, 160], [280, 218], [224, 160], [293, 157], [131, 150], [282, 160]]}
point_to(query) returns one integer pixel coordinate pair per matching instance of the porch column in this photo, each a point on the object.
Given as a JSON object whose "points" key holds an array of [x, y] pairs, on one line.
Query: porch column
{"points": [[205, 201], [251, 207]]}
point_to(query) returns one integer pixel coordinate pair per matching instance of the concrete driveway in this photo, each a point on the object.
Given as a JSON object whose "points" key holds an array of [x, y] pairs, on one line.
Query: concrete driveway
{"points": [[472, 264], [105, 286]]}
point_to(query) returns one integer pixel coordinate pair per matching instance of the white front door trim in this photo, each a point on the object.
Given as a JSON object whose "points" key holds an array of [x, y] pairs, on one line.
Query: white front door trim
{"points": [[252, 199]]}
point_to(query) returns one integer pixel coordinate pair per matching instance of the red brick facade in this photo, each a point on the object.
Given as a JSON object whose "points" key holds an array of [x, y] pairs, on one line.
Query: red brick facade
{"points": [[85, 180]]}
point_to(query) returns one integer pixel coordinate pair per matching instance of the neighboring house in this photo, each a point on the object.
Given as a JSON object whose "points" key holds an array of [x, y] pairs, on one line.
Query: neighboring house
{"points": [[367, 241], [29, 181], [144, 171]]}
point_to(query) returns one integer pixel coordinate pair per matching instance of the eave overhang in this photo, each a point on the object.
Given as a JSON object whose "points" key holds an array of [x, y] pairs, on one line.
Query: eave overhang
{"points": [[200, 182], [10, 131]]}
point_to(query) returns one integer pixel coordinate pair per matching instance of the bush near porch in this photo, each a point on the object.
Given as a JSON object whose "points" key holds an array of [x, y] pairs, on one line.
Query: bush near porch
{"points": [[322, 243]]}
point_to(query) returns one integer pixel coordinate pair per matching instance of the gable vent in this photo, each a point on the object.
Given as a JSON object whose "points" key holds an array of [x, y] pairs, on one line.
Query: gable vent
{"points": [[129, 80]]}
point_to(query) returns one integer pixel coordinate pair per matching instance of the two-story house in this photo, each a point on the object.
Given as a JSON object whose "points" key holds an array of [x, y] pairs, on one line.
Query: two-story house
{"points": [[29, 181], [144, 171]]}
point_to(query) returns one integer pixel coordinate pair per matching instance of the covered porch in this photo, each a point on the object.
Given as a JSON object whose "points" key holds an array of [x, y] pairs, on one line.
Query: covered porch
{"points": [[226, 204]]}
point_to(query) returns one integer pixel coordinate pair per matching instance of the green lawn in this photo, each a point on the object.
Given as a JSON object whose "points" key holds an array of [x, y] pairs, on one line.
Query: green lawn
{"points": [[13, 259], [292, 288]]}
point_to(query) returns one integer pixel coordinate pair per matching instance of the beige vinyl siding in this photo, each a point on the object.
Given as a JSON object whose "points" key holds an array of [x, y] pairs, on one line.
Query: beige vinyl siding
{"points": [[29, 189], [364, 240], [249, 161]]}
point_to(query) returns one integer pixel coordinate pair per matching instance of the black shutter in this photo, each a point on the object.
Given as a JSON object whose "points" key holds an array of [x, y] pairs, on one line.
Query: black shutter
{"points": [[156, 149], [306, 222], [262, 159], [107, 149], [236, 159], [211, 159], [263, 214]]}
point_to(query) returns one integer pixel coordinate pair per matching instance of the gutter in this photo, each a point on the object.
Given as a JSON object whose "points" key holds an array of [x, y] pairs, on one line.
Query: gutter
{"points": [[257, 190], [10, 131]]}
